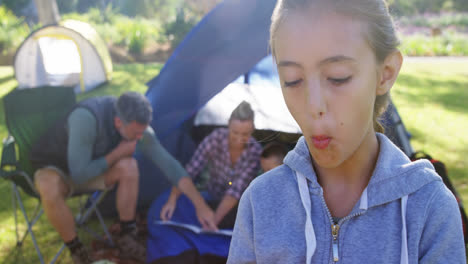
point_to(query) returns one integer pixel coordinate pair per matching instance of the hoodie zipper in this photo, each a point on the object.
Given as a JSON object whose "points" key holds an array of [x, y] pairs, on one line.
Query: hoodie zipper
{"points": [[335, 228]]}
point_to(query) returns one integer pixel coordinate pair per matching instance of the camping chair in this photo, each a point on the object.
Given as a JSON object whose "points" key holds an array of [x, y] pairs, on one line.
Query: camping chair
{"points": [[28, 114]]}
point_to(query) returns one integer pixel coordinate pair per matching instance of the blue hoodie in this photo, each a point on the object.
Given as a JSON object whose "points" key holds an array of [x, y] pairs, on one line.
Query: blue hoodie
{"points": [[405, 215]]}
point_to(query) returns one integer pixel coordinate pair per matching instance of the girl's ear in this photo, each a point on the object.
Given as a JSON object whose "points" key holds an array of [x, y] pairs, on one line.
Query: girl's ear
{"points": [[390, 69]]}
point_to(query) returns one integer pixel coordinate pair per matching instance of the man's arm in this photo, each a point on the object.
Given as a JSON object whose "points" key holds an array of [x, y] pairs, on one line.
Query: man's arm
{"points": [[81, 138], [194, 167], [172, 169], [126, 148], [204, 213], [150, 146], [82, 129]]}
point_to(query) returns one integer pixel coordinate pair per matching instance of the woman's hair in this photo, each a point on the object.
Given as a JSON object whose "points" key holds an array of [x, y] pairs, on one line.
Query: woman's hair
{"points": [[380, 34], [243, 112]]}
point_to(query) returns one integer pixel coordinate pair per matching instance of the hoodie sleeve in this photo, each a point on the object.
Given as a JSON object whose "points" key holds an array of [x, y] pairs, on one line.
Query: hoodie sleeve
{"points": [[242, 249], [442, 237]]}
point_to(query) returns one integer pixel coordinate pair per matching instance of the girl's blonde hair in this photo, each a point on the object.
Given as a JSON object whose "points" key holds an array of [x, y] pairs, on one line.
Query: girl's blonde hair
{"points": [[380, 34]]}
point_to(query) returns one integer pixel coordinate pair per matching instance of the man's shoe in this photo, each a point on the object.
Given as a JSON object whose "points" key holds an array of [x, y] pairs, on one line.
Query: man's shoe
{"points": [[81, 256], [129, 246]]}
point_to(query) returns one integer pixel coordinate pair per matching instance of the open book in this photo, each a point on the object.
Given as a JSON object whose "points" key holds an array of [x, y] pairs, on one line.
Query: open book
{"points": [[196, 229]]}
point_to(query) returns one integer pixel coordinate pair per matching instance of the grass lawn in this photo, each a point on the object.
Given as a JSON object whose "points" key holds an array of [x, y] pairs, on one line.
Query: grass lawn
{"points": [[430, 95]]}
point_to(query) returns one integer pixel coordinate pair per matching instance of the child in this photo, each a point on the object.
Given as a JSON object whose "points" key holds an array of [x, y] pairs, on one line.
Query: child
{"points": [[272, 156], [346, 194]]}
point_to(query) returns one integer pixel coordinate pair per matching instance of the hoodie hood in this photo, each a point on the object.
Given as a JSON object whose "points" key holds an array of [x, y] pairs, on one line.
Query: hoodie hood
{"points": [[391, 180]]}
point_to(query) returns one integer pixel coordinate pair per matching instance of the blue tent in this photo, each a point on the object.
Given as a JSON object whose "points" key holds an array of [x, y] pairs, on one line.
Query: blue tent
{"points": [[226, 49], [225, 44]]}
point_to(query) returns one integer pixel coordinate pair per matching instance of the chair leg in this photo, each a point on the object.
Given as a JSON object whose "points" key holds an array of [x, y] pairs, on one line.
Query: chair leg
{"points": [[104, 227], [37, 213], [91, 206], [13, 200], [58, 254], [81, 218], [18, 197]]}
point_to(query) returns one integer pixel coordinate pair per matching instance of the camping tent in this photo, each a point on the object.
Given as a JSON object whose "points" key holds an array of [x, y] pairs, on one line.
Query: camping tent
{"points": [[228, 48], [260, 87], [225, 44], [70, 54]]}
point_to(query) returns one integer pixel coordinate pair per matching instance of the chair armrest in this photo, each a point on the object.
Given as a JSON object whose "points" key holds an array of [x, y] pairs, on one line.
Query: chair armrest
{"points": [[9, 163]]}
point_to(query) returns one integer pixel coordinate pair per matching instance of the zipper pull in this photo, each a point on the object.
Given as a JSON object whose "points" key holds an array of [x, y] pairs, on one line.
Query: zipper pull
{"points": [[335, 229]]}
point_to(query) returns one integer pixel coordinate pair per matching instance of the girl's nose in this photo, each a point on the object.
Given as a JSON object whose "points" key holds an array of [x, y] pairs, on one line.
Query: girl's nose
{"points": [[315, 96]]}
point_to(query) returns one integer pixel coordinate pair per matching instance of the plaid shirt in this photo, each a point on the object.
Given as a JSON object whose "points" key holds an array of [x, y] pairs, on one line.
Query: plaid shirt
{"points": [[225, 179]]}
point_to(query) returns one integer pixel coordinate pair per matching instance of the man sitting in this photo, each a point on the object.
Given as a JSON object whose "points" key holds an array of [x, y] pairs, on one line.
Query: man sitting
{"points": [[92, 148]]}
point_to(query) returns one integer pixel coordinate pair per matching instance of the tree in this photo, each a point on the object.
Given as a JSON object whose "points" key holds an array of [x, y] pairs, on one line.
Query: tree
{"points": [[47, 11]]}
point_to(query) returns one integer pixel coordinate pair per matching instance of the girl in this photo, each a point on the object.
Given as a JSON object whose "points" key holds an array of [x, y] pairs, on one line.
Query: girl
{"points": [[346, 193]]}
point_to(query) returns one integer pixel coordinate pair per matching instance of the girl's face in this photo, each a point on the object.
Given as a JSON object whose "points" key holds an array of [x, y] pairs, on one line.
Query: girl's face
{"points": [[329, 78]]}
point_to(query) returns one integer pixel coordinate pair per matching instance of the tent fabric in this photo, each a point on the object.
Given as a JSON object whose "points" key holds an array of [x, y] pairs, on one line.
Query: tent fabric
{"points": [[260, 87], [71, 54], [224, 45], [227, 48]]}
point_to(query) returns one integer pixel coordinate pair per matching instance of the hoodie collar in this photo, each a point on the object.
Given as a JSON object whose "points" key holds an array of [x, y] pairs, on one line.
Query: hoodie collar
{"points": [[394, 175]]}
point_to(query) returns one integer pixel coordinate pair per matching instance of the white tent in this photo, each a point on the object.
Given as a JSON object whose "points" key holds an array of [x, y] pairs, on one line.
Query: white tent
{"points": [[69, 54], [271, 112], [262, 90]]}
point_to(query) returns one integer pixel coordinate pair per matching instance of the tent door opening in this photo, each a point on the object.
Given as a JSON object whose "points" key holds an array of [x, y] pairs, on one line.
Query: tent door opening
{"points": [[62, 61]]}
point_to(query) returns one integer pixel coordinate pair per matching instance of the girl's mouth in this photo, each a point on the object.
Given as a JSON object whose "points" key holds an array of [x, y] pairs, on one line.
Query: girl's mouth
{"points": [[321, 141]]}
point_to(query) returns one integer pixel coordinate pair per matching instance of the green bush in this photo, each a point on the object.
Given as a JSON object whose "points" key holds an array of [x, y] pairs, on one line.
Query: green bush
{"points": [[15, 5], [137, 39], [177, 30], [412, 7], [108, 33], [459, 20], [450, 44], [452, 19], [162, 10], [76, 16], [13, 30], [95, 16], [132, 33], [137, 33]]}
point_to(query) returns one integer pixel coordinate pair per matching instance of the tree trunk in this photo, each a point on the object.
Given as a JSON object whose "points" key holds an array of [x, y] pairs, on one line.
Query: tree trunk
{"points": [[47, 11]]}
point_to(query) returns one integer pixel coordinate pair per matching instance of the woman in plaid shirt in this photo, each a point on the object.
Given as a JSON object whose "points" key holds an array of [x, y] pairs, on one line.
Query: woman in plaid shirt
{"points": [[234, 159]]}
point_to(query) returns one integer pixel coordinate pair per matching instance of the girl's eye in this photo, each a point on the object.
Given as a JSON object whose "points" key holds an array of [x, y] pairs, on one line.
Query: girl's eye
{"points": [[293, 83], [338, 81]]}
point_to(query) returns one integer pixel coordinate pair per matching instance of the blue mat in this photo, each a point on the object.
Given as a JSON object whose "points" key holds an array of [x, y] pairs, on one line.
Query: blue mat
{"points": [[165, 241]]}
